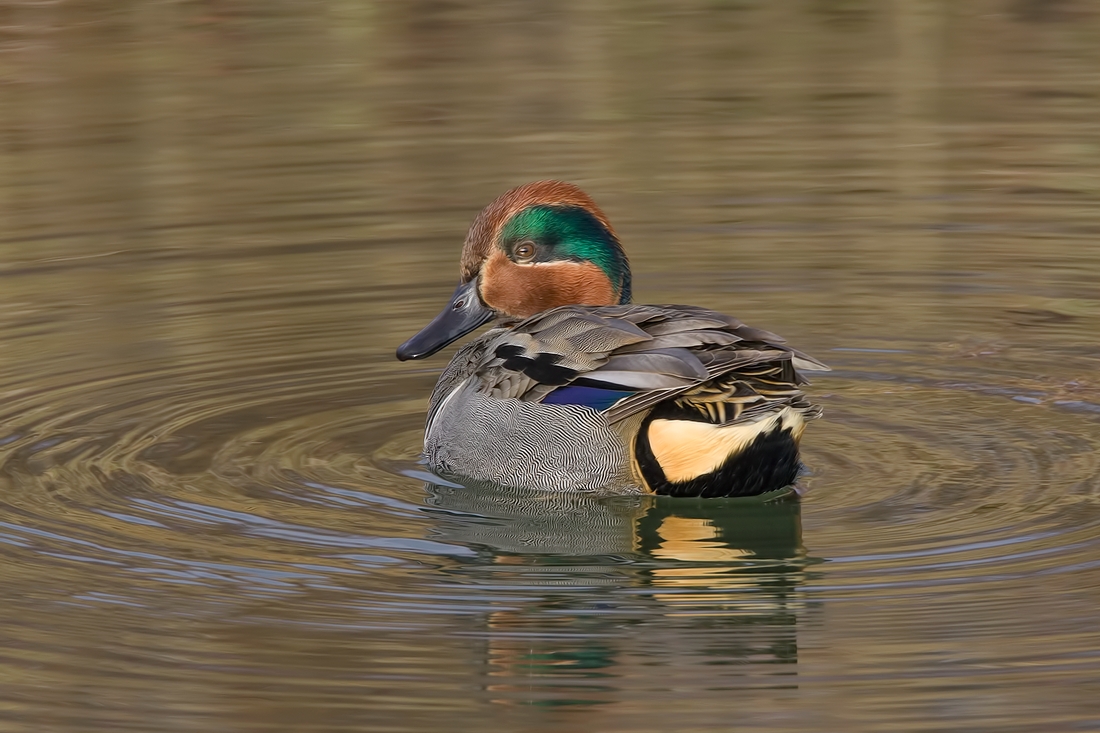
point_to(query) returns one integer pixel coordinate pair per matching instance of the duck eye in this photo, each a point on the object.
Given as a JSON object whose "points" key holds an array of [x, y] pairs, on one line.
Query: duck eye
{"points": [[524, 251]]}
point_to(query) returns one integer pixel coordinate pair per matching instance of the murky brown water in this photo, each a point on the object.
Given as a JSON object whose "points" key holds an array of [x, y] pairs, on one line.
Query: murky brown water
{"points": [[218, 219]]}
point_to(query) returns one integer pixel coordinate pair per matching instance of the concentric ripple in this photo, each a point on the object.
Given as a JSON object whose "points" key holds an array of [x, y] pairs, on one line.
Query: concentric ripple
{"points": [[233, 485], [218, 218]]}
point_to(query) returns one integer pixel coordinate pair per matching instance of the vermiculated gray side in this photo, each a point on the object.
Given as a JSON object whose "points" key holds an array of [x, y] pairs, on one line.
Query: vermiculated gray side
{"points": [[525, 444]]}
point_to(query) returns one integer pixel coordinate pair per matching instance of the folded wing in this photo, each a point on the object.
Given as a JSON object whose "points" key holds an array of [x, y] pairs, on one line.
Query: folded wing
{"points": [[624, 359]]}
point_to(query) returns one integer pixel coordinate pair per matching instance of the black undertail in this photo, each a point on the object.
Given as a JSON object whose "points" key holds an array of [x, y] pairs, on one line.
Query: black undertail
{"points": [[770, 462]]}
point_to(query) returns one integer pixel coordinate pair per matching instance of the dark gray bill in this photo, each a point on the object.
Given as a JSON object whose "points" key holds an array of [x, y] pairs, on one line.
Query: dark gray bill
{"points": [[462, 314]]}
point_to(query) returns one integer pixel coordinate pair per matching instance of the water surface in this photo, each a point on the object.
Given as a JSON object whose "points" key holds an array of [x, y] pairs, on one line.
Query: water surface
{"points": [[218, 219]]}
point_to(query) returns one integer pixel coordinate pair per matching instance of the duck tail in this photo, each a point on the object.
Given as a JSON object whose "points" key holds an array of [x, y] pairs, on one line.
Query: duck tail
{"points": [[678, 452]]}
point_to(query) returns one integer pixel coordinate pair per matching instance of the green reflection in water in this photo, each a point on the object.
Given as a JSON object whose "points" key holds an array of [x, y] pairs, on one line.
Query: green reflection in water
{"points": [[728, 572]]}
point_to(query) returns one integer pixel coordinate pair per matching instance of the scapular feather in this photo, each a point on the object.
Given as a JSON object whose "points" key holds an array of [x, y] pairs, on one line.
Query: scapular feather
{"points": [[625, 359]]}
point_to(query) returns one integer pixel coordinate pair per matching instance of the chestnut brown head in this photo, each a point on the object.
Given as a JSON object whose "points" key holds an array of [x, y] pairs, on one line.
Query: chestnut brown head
{"points": [[538, 246]]}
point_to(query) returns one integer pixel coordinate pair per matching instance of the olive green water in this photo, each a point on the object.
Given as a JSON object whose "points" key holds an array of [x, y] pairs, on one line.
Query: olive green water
{"points": [[218, 219]]}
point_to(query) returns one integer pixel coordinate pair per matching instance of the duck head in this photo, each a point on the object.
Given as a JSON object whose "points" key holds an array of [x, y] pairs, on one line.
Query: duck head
{"points": [[539, 246]]}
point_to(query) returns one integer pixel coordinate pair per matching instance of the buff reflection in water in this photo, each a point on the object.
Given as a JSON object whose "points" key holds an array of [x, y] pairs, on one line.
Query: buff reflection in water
{"points": [[734, 565]]}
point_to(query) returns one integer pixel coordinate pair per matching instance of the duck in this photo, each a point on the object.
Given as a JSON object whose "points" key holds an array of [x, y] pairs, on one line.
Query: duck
{"points": [[576, 388]]}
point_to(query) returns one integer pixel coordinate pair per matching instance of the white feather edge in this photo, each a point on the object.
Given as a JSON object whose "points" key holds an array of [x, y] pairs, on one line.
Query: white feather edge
{"points": [[442, 406], [809, 366]]}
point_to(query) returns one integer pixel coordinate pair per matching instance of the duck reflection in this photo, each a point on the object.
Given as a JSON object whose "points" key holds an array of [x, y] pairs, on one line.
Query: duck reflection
{"points": [[709, 587], [545, 523]]}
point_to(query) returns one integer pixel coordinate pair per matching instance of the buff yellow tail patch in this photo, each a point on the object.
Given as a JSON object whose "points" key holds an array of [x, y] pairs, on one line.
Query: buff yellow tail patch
{"points": [[686, 449]]}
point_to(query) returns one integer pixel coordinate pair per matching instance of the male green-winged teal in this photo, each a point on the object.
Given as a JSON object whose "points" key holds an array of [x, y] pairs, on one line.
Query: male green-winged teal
{"points": [[576, 389]]}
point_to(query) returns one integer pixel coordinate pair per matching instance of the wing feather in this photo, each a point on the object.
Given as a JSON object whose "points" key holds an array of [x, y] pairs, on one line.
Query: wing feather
{"points": [[705, 360]]}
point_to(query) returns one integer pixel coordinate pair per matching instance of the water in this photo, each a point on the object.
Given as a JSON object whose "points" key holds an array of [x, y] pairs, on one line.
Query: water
{"points": [[219, 219]]}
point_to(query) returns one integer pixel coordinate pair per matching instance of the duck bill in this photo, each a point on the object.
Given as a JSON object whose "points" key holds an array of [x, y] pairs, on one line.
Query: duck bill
{"points": [[462, 314]]}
